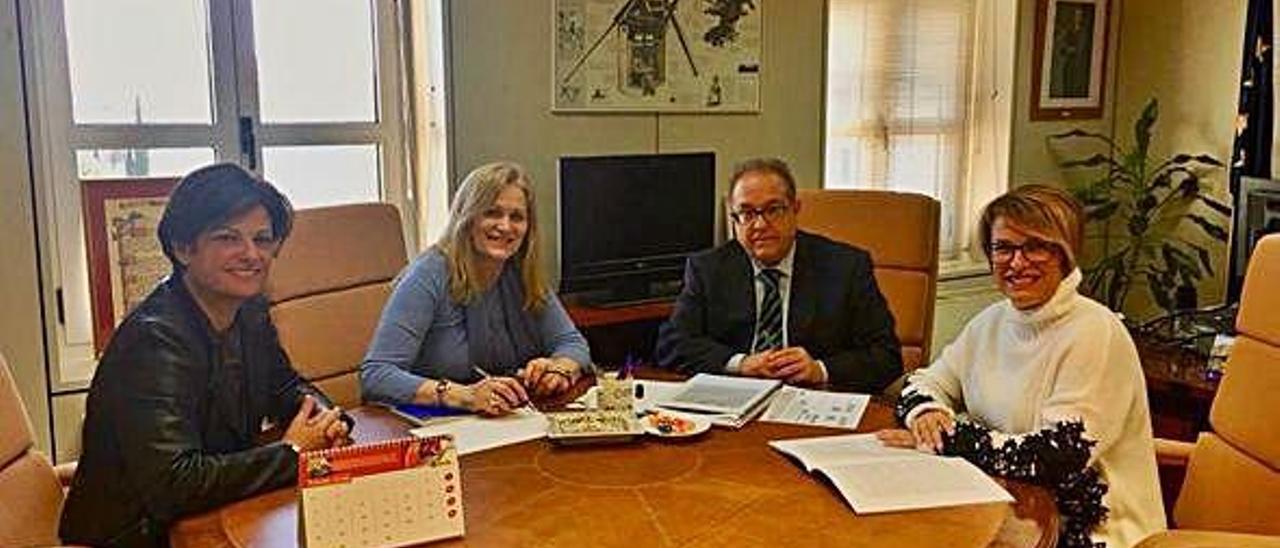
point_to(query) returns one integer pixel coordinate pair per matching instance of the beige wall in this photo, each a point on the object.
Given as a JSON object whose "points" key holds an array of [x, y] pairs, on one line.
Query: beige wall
{"points": [[21, 339], [501, 95], [1031, 159], [1186, 53]]}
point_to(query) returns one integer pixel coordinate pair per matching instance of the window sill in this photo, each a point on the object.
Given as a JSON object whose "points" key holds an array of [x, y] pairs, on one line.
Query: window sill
{"points": [[962, 268]]}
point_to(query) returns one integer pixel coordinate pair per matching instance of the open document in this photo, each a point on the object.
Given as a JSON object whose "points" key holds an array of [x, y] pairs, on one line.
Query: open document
{"points": [[794, 405], [474, 434], [874, 478]]}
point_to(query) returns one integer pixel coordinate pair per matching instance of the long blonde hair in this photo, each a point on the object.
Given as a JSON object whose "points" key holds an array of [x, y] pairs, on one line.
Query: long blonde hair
{"points": [[479, 192]]}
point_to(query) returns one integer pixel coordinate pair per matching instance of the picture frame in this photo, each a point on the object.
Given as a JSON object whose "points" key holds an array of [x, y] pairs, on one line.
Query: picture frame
{"points": [[125, 259], [626, 56], [1070, 58]]}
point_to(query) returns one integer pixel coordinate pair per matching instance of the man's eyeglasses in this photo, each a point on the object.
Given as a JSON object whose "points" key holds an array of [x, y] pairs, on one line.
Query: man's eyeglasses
{"points": [[770, 213], [1033, 250]]}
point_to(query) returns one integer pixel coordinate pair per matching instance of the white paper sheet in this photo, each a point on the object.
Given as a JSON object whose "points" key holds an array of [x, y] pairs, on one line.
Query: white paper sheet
{"points": [[795, 405], [475, 434]]}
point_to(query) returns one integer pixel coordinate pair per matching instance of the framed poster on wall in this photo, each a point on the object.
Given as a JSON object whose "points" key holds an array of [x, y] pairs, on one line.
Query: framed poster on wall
{"points": [[125, 259], [1070, 56], [657, 56]]}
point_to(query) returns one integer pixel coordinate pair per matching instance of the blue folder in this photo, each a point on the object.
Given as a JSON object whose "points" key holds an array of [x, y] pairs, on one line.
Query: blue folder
{"points": [[422, 413]]}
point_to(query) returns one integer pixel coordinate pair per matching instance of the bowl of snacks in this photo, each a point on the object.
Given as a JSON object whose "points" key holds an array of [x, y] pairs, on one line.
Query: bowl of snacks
{"points": [[670, 424]]}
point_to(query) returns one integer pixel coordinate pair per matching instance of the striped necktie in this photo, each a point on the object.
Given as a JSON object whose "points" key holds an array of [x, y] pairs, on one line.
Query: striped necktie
{"points": [[769, 322]]}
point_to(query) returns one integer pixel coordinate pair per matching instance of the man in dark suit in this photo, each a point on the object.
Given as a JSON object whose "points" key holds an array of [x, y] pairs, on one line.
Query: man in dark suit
{"points": [[780, 303]]}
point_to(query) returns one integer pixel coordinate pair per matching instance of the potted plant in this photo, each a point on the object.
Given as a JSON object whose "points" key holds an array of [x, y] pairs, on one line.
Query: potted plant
{"points": [[1140, 203]]}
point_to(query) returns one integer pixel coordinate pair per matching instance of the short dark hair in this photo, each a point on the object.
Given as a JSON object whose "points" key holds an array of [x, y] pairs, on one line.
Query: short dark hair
{"points": [[212, 195], [1049, 211], [775, 166]]}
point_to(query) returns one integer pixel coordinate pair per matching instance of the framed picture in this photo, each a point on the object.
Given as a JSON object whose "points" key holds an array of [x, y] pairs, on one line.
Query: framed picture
{"points": [[1069, 64], [121, 217], [649, 56]]}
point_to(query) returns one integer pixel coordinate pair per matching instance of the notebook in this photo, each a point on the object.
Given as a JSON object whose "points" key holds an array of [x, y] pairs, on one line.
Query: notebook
{"points": [[874, 478], [395, 493]]}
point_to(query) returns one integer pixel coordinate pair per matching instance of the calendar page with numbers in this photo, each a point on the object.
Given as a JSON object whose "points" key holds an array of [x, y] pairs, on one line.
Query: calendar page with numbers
{"points": [[395, 493]]}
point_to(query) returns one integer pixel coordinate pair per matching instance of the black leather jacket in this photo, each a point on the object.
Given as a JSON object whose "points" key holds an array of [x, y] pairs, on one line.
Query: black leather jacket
{"points": [[165, 434]]}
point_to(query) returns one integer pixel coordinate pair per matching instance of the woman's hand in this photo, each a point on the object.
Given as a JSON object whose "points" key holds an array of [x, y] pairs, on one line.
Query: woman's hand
{"points": [[550, 376], [925, 435], [929, 428], [493, 396], [310, 428]]}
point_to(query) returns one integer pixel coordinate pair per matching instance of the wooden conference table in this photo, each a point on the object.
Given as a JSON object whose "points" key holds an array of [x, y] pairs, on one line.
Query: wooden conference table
{"points": [[723, 488]]}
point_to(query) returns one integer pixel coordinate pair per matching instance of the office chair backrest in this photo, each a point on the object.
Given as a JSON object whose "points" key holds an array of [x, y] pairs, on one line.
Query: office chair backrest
{"points": [[30, 495], [328, 287], [1233, 477], [900, 230]]}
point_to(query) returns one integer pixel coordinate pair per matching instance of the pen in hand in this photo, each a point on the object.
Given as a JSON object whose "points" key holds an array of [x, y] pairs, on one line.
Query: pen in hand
{"points": [[521, 399]]}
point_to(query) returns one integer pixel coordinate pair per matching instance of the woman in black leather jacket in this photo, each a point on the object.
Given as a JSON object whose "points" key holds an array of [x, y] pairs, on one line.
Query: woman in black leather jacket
{"points": [[194, 373]]}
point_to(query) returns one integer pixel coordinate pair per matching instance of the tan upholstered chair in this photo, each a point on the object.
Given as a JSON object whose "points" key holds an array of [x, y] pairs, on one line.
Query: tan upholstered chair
{"points": [[1233, 472], [900, 231], [30, 490], [327, 289]]}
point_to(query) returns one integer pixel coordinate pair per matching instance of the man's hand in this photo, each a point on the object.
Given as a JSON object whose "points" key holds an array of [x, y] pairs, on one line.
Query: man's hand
{"points": [[756, 365], [794, 365]]}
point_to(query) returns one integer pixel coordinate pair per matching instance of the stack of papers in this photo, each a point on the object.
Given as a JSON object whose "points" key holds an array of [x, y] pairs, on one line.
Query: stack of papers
{"points": [[730, 401], [874, 478]]}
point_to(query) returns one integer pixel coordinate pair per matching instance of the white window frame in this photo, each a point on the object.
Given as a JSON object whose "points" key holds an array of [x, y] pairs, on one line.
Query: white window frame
{"points": [[55, 137], [986, 166]]}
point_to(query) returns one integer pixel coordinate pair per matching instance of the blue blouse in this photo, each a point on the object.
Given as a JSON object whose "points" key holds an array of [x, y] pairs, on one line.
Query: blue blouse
{"points": [[423, 334]]}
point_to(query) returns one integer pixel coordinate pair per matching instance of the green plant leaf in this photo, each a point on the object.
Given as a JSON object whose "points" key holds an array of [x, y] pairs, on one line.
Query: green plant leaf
{"points": [[1158, 293], [1213, 230], [1102, 212], [1142, 127], [1215, 205], [1190, 186], [1180, 262], [1092, 161], [1203, 254], [1209, 160], [1080, 133]]}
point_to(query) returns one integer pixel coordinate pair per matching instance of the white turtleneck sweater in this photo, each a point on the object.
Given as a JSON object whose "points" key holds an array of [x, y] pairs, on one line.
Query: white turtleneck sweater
{"points": [[1018, 371]]}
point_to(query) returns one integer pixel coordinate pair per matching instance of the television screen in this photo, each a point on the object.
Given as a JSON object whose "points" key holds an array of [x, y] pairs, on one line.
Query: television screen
{"points": [[632, 220], [1257, 213]]}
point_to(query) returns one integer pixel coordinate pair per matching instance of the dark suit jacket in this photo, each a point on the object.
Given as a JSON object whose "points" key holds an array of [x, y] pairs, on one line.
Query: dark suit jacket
{"points": [[836, 312], [163, 437]]}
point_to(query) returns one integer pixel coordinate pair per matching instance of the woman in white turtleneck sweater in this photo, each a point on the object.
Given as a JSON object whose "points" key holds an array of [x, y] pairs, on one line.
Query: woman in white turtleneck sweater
{"points": [[1045, 386]]}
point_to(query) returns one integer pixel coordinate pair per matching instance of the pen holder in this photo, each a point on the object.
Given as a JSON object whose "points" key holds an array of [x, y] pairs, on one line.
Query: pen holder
{"points": [[615, 394]]}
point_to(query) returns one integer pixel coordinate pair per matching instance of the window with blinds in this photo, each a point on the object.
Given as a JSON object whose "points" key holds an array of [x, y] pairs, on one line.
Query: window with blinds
{"points": [[901, 76]]}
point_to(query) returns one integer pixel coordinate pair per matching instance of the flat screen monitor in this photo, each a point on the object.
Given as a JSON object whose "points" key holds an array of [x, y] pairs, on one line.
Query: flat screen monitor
{"points": [[1256, 214], [627, 223]]}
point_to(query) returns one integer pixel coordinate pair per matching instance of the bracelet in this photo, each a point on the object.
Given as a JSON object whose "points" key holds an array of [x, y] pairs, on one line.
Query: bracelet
{"points": [[442, 386]]}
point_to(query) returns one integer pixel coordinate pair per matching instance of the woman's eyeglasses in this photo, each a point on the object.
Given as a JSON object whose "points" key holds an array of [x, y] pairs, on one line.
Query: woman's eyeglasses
{"points": [[1033, 250]]}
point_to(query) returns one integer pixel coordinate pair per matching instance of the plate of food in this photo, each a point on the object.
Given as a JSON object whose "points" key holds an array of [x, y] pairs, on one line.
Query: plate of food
{"points": [[670, 424], [592, 426]]}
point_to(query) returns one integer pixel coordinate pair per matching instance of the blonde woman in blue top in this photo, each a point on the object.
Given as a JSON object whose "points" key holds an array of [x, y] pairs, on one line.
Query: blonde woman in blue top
{"points": [[472, 323]]}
